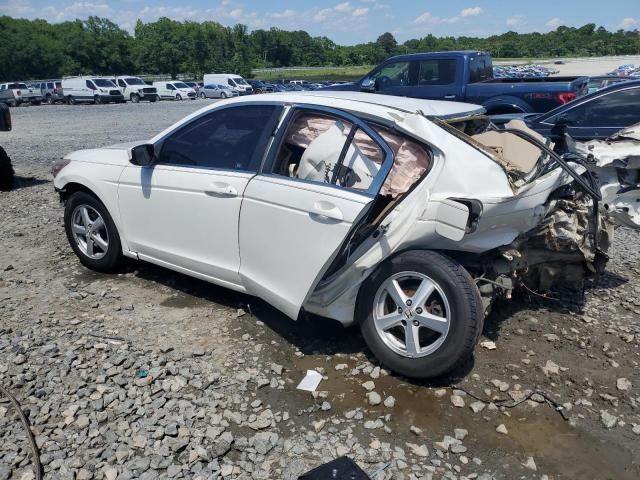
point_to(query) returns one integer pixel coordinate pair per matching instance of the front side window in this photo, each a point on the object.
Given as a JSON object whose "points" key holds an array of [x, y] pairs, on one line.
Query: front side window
{"points": [[103, 82], [391, 75], [135, 81], [90, 85], [180, 85], [170, 87], [617, 109], [121, 83], [230, 139], [436, 71]]}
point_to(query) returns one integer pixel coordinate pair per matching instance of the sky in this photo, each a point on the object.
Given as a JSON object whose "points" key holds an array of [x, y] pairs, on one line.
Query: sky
{"points": [[353, 21]]}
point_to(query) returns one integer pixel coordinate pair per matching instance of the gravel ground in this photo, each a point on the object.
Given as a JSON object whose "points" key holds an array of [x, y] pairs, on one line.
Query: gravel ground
{"points": [[150, 374]]}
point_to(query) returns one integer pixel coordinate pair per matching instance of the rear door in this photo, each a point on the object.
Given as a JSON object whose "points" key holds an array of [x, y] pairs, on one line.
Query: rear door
{"points": [[320, 180]]}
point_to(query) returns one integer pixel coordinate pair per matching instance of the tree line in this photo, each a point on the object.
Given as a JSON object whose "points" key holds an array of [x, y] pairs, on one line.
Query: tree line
{"points": [[37, 49]]}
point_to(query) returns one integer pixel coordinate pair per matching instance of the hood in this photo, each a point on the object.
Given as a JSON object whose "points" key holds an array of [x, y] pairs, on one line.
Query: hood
{"points": [[118, 154]]}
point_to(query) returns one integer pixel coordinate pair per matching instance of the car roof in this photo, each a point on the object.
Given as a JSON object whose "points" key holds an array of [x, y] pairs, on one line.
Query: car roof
{"points": [[603, 91], [365, 102], [419, 55]]}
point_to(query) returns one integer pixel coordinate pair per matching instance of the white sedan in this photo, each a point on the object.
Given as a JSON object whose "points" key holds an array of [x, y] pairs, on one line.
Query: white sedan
{"points": [[407, 217]]}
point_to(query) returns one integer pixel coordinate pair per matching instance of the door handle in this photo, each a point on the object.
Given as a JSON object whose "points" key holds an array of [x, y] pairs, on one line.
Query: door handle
{"points": [[221, 189], [327, 210], [449, 97]]}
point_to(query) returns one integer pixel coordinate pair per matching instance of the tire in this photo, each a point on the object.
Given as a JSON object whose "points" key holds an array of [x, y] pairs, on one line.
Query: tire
{"points": [[135, 98], [7, 175], [12, 103], [71, 100], [104, 260], [49, 99], [97, 100], [153, 99], [178, 97], [223, 95], [37, 104], [203, 96], [454, 308]]}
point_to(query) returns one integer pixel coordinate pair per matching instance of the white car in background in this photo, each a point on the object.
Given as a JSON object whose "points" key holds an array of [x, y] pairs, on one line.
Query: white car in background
{"points": [[174, 90], [406, 217], [217, 91]]}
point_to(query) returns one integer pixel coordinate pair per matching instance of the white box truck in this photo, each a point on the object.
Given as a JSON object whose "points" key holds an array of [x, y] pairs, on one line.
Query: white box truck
{"points": [[135, 89], [230, 79]]}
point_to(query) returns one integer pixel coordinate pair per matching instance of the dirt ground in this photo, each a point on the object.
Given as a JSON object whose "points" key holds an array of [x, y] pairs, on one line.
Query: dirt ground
{"points": [[577, 348]]}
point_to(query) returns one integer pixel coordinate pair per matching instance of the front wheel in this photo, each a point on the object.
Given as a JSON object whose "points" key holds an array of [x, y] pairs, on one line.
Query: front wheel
{"points": [[92, 233], [203, 96], [224, 95], [178, 97], [154, 99], [49, 99], [97, 100], [420, 314], [135, 98]]}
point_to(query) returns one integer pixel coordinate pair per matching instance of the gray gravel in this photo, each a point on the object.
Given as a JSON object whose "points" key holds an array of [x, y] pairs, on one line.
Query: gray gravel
{"points": [[151, 375]]}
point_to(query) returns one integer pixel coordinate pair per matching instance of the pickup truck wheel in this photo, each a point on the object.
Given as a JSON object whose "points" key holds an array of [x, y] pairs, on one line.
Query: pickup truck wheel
{"points": [[49, 99], [420, 314], [135, 98], [92, 233]]}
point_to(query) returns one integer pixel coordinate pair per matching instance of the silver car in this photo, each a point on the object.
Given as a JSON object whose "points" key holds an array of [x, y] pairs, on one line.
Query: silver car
{"points": [[216, 91]]}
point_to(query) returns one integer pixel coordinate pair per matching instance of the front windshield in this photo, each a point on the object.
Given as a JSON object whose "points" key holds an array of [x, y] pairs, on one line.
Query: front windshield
{"points": [[134, 81], [180, 85], [102, 82], [239, 80]]}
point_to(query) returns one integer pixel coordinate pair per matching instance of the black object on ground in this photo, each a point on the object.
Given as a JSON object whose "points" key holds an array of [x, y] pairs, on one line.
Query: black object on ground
{"points": [[342, 468], [7, 175]]}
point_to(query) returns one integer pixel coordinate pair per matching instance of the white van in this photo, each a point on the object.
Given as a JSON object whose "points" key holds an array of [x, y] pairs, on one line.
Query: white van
{"points": [[174, 90], [135, 89], [90, 89], [232, 80]]}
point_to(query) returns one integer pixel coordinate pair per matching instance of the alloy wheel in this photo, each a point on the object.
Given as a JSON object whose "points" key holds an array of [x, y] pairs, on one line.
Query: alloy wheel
{"points": [[90, 232], [411, 314]]}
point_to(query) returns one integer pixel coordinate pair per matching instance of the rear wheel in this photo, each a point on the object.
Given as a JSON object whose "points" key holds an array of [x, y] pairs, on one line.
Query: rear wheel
{"points": [[49, 99], [71, 100], [420, 313], [92, 233], [135, 98]]}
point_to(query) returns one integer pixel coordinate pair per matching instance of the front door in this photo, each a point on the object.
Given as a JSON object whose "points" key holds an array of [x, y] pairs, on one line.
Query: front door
{"points": [[183, 211], [322, 176]]}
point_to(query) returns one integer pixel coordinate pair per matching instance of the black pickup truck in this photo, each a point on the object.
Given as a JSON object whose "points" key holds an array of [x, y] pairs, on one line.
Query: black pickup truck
{"points": [[466, 76]]}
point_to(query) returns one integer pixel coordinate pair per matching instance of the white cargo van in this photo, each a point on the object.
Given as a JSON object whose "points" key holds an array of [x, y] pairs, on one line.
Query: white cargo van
{"points": [[135, 89], [174, 90], [90, 89], [232, 80]]}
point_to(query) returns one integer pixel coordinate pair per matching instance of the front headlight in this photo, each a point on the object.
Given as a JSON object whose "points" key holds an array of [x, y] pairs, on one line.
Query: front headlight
{"points": [[58, 166]]}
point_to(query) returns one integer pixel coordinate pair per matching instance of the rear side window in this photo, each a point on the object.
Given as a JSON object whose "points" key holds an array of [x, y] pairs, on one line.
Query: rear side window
{"points": [[327, 149], [230, 139], [617, 109], [436, 71], [480, 69]]}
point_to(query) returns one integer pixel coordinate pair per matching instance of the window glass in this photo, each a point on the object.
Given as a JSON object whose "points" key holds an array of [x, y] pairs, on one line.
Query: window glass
{"points": [[89, 84], [121, 83], [436, 71], [103, 82], [313, 149], [180, 85], [230, 139], [480, 69], [135, 81], [391, 75], [50, 85], [170, 87], [617, 109]]}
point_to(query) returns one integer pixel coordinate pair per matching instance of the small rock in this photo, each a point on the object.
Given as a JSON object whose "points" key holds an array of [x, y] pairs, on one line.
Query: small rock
{"points": [[530, 464], [478, 406], [418, 450], [502, 429], [457, 401], [374, 398], [389, 402], [623, 384], [488, 344], [368, 386], [608, 420], [551, 368], [415, 430]]}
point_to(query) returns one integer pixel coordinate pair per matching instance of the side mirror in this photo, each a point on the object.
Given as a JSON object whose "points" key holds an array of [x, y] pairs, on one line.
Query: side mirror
{"points": [[368, 85], [143, 155], [5, 118]]}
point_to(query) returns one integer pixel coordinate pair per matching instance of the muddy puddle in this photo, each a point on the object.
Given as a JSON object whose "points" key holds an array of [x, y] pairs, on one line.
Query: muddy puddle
{"points": [[559, 450]]}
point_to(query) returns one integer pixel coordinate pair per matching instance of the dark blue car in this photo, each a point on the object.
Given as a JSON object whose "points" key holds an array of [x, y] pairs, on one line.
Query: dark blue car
{"points": [[594, 116]]}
